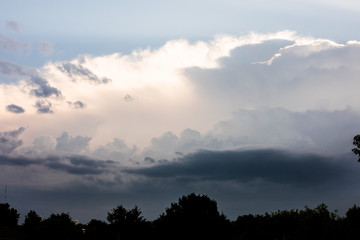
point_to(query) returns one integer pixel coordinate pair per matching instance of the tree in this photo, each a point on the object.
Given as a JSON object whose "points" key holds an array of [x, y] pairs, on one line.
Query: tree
{"points": [[356, 142], [97, 229], [127, 223], [32, 219], [8, 216], [193, 217], [60, 226], [120, 215]]}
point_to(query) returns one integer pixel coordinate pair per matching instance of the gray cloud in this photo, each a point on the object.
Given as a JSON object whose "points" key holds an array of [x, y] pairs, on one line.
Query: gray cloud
{"points": [[81, 165], [9, 141], [41, 86], [43, 89], [44, 143], [10, 69], [115, 150], [12, 45], [12, 25], [46, 48], [77, 104], [14, 108], [298, 77], [43, 106], [273, 166], [266, 127], [74, 71], [72, 164], [68, 143], [7, 160], [128, 98]]}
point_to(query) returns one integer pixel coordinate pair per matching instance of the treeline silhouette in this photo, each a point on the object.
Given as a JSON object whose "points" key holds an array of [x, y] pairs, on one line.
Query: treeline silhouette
{"points": [[192, 217]]}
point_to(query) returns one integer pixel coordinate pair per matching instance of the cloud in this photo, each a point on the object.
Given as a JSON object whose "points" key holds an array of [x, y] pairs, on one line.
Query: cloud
{"points": [[81, 165], [46, 48], [77, 71], [43, 89], [68, 143], [268, 165], [22, 161], [43, 106], [44, 143], [128, 98], [14, 109], [77, 104], [116, 150], [40, 86], [9, 141], [300, 76], [13, 25], [12, 45], [71, 164]]}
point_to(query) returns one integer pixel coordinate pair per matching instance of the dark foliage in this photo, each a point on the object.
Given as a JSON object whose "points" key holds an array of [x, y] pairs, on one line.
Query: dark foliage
{"points": [[8, 216], [192, 217], [128, 224]]}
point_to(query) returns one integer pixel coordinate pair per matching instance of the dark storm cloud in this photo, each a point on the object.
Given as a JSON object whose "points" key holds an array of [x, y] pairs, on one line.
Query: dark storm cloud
{"points": [[73, 71], [14, 108], [41, 86], [79, 165], [17, 161], [274, 166], [43, 106], [9, 141], [72, 164], [77, 104]]}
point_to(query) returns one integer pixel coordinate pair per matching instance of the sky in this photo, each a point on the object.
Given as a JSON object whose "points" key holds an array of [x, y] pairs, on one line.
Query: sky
{"points": [[253, 103]]}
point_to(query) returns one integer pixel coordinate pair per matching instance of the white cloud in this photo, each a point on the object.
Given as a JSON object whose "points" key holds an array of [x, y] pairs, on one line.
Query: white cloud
{"points": [[184, 85]]}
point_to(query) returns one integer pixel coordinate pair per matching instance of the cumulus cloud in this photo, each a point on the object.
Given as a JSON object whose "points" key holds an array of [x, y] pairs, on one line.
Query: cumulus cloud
{"points": [[77, 71], [116, 150], [40, 86], [77, 104], [44, 143], [300, 76], [9, 140], [44, 106], [68, 143], [272, 83], [15, 109]]}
